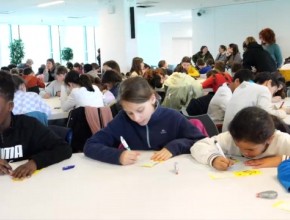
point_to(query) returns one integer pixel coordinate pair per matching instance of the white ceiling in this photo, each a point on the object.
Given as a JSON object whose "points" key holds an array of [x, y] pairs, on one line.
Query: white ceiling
{"points": [[84, 12]]}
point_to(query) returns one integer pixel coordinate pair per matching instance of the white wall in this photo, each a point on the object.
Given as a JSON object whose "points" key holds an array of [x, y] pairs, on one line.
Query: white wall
{"points": [[148, 42], [169, 31], [232, 24]]}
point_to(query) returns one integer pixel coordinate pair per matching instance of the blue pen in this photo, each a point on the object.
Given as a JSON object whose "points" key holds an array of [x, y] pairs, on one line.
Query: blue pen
{"points": [[68, 167]]}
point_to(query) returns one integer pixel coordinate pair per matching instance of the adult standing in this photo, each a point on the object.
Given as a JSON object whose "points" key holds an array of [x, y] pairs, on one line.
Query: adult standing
{"points": [[268, 39]]}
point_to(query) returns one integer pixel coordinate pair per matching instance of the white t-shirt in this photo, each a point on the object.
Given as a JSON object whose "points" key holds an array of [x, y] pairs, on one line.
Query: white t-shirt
{"points": [[217, 106], [81, 97], [250, 94]]}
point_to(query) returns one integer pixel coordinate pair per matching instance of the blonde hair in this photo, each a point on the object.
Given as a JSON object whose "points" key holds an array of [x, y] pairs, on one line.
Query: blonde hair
{"points": [[250, 40]]}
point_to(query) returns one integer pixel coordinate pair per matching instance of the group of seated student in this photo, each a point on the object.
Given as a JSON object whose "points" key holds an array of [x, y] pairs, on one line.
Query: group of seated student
{"points": [[143, 123], [25, 138]]}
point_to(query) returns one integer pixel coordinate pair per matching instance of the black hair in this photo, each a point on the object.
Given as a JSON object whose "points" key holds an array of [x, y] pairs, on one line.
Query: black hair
{"points": [[51, 60], [88, 68], [6, 86], [210, 62], [18, 81], [161, 63], [280, 125], [252, 124], [81, 80], [113, 65], [265, 76], [236, 66], [287, 60], [136, 90], [69, 65], [77, 65], [61, 70], [111, 76], [243, 75], [5, 68], [186, 60], [11, 66], [223, 47], [27, 71], [200, 62]]}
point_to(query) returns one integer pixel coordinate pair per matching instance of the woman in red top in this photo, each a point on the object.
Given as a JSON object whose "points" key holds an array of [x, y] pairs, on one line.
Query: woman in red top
{"points": [[217, 79]]}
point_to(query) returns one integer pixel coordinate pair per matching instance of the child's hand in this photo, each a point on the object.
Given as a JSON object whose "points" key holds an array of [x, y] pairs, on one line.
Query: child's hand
{"points": [[24, 170], [161, 155], [46, 96], [221, 163], [5, 168], [273, 161], [129, 157]]}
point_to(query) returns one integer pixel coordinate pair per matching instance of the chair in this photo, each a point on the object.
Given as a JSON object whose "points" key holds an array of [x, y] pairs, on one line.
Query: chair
{"points": [[82, 129], [40, 116], [285, 74], [206, 121]]}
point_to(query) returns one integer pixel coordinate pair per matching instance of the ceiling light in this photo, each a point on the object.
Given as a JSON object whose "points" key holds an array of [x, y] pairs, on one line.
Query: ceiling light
{"points": [[158, 13], [49, 4]]}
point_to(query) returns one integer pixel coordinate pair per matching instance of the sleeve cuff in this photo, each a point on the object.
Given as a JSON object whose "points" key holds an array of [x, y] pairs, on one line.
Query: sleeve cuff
{"points": [[211, 158], [285, 157]]}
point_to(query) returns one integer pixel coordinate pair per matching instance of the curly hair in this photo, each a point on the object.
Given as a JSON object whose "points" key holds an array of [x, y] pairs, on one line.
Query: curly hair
{"points": [[268, 35]]}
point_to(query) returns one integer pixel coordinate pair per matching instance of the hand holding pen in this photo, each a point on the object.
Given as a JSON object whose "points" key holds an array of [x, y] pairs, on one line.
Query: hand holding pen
{"points": [[128, 157], [221, 162]]}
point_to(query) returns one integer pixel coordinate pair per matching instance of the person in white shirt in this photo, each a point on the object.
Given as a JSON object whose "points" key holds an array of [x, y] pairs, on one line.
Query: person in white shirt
{"points": [[253, 94], [252, 134], [218, 104], [54, 87], [81, 92]]}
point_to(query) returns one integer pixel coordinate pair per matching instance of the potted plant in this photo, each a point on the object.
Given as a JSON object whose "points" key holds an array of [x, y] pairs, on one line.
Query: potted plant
{"points": [[16, 51], [67, 54]]}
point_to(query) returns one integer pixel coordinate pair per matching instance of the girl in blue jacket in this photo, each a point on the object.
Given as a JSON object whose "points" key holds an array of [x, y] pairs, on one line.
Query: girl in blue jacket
{"points": [[144, 125]]}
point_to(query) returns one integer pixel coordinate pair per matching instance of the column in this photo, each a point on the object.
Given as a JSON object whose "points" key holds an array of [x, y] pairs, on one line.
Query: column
{"points": [[115, 34]]}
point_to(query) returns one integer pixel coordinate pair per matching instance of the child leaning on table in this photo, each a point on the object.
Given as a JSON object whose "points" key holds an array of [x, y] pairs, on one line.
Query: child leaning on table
{"points": [[251, 134], [144, 125], [25, 138]]}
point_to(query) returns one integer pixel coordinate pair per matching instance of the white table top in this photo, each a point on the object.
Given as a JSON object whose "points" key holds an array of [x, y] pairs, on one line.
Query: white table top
{"points": [[56, 111], [95, 190]]}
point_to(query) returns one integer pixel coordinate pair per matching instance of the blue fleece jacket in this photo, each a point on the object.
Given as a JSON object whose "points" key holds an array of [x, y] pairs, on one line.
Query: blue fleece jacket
{"points": [[284, 174], [166, 128]]}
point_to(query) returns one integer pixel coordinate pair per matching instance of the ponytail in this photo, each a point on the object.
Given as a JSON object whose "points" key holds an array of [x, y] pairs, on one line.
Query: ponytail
{"points": [[85, 81]]}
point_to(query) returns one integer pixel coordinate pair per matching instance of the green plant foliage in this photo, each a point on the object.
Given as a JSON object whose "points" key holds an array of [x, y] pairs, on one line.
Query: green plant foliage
{"points": [[16, 51], [67, 54]]}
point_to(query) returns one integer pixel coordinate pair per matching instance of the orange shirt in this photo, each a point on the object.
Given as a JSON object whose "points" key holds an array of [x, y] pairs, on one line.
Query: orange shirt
{"points": [[216, 80], [33, 81]]}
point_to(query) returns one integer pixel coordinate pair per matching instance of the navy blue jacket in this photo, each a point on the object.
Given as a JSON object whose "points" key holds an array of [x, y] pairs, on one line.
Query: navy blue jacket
{"points": [[284, 174], [166, 128]]}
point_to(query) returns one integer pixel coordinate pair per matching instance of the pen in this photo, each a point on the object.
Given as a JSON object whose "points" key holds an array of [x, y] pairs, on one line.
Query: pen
{"points": [[68, 167], [281, 105], [124, 143], [219, 148]]}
